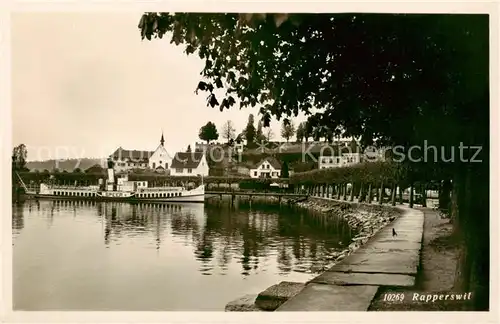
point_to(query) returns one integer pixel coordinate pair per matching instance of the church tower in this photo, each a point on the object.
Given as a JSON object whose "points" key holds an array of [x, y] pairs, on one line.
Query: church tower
{"points": [[162, 140]]}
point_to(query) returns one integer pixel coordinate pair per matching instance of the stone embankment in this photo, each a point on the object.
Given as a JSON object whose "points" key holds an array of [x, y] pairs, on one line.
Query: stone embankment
{"points": [[364, 220]]}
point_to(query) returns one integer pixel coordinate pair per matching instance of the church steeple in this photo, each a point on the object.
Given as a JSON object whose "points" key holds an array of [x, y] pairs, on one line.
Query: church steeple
{"points": [[162, 140]]}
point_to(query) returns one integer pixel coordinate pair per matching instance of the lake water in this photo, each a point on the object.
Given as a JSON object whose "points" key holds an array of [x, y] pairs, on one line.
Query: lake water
{"points": [[116, 256]]}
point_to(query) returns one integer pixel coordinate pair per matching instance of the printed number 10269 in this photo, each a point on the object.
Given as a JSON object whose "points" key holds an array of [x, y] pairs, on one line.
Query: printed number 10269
{"points": [[392, 297]]}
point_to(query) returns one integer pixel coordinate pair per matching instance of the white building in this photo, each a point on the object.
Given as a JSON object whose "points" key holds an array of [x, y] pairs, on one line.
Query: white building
{"points": [[189, 164], [344, 160], [268, 167], [126, 160], [160, 160], [182, 164]]}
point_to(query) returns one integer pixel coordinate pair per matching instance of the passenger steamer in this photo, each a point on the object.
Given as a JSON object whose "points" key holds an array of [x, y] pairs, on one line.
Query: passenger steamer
{"points": [[119, 189]]}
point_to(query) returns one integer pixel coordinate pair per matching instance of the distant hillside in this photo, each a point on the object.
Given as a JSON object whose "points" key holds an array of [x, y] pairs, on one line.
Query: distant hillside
{"points": [[64, 165]]}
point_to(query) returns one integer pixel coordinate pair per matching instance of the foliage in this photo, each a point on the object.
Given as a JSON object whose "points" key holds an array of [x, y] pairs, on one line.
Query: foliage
{"points": [[284, 170], [300, 133], [188, 148], [287, 63], [228, 131], [368, 172], [269, 135], [259, 136], [287, 129], [19, 156], [209, 132], [250, 132]]}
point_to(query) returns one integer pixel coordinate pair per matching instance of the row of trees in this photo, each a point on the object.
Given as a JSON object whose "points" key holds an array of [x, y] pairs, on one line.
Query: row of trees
{"points": [[250, 133], [209, 132], [303, 132]]}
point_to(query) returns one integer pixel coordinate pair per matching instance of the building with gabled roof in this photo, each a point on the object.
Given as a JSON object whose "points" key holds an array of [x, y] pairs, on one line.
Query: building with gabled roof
{"points": [[130, 159], [268, 167], [189, 163], [159, 160]]}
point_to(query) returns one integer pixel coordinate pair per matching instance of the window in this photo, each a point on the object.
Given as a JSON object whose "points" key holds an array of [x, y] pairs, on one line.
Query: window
{"points": [[160, 161], [154, 165], [179, 170], [190, 170], [255, 173], [268, 166]]}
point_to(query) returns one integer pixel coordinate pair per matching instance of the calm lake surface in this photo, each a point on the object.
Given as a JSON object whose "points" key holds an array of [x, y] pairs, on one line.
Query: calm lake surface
{"points": [[116, 256]]}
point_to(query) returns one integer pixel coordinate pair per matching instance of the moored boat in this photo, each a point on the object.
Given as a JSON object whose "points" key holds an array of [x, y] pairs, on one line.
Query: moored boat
{"points": [[118, 189]]}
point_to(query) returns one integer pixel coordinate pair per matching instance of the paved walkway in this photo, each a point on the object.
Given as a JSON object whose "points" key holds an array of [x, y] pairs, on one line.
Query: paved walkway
{"points": [[385, 260]]}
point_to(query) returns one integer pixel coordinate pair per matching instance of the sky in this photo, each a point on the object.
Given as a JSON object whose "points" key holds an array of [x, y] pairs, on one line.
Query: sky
{"points": [[84, 84]]}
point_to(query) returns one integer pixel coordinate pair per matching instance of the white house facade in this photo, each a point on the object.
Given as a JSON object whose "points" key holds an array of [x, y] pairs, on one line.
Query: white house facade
{"points": [[269, 167], [344, 160], [126, 160], [189, 164], [160, 160]]}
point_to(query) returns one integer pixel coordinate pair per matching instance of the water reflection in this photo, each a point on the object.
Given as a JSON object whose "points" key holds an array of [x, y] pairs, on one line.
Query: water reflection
{"points": [[188, 241], [219, 235]]}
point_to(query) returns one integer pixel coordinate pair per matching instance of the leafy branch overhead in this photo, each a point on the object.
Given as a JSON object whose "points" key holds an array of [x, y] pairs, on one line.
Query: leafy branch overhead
{"points": [[359, 70]]}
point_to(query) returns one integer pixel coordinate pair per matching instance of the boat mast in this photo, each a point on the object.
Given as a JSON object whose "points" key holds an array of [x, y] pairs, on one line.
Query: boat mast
{"points": [[22, 182]]}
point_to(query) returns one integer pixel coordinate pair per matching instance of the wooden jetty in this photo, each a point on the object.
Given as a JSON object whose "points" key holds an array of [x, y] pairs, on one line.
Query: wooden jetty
{"points": [[250, 194]]}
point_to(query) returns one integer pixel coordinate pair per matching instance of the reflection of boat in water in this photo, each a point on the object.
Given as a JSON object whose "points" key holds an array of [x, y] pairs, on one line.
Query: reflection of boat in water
{"points": [[119, 189]]}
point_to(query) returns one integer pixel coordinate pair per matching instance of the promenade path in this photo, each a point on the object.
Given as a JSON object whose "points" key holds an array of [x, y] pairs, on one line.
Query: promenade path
{"points": [[385, 260]]}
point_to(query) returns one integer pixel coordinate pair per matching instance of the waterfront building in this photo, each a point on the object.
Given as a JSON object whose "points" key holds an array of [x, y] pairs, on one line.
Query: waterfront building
{"points": [[126, 160], [159, 160], [268, 167], [343, 160], [189, 164]]}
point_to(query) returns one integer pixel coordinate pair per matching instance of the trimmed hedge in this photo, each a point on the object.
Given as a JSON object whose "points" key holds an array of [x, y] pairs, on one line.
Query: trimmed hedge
{"points": [[369, 172]]}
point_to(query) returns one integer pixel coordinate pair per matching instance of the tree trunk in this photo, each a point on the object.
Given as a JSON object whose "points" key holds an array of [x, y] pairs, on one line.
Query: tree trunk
{"points": [[400, 194], [411, 196], [445, 196], [424, 195], [370, 193], [381, 193], [352, 192], [393, 195], [471, 225], [345, 192], [360, 194], [339, 189]]}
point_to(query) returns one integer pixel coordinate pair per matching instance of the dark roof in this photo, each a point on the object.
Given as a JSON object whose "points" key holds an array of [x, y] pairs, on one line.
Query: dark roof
{"points": [[272, 160], [186, 160], [132, 155]]}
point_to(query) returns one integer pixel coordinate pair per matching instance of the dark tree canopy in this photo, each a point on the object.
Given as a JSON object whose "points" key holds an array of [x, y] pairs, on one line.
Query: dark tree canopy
{"points": [[360, 69], [250, 132], [208, 132], [287, 129], [285, 173], [19, 157]]}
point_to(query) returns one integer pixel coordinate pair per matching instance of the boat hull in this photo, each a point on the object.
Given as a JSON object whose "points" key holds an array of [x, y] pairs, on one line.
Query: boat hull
{"points": [[199, 198], [157, 195]]}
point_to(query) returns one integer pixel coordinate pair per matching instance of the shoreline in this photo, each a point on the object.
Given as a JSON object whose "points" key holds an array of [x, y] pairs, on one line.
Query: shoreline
{"points": [[365, 220]]}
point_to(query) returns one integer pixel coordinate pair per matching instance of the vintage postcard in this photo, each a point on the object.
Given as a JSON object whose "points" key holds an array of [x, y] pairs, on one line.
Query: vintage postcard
{"points": [[266, 163]]}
